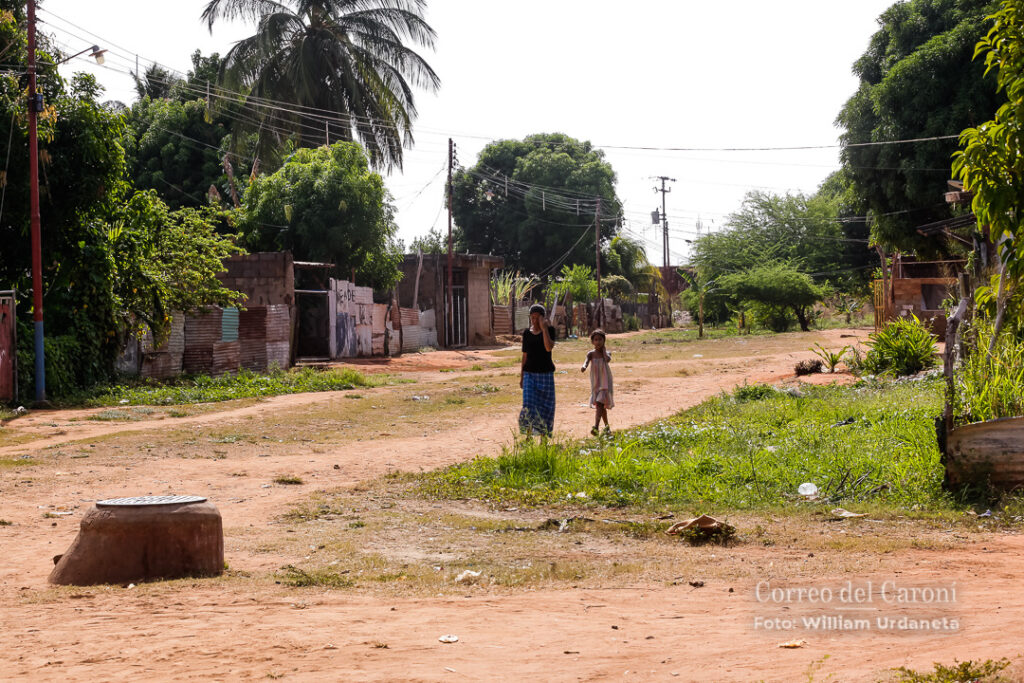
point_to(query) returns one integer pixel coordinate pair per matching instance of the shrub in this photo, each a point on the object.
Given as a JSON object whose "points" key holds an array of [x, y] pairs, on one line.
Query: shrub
{"points": [[903, 347], [774, 318], [811, 366], [830, 358], [990, 385], [631, 322], [754, 392]]}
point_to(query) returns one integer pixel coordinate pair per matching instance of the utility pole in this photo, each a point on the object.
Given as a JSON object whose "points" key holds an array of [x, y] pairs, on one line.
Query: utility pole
{"points": [[35, 105], [597, 260], [450, 316], [597, 244], [664, 217]]}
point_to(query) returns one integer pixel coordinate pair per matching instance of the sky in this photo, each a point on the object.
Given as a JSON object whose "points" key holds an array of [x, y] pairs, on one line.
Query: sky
{"points": [[648, 73]]}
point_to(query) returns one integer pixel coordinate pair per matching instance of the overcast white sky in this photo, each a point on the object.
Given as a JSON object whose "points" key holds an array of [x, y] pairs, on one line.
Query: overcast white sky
{"points": [[647, 73]]}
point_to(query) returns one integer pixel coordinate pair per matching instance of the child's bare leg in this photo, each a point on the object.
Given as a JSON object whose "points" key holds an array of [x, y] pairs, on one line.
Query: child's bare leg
{"points": [[604, 414], [598, 407]]}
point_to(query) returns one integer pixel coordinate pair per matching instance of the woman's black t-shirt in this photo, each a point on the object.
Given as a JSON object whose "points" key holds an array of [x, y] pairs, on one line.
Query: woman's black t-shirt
{"points": [[538, 359]]}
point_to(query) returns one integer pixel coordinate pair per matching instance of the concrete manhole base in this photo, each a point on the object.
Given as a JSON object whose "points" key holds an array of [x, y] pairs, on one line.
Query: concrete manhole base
{"points": [[144, 539]]}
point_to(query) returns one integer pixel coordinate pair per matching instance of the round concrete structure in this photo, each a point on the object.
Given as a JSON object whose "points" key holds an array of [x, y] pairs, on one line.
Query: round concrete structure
{"points": [[144, 539]]}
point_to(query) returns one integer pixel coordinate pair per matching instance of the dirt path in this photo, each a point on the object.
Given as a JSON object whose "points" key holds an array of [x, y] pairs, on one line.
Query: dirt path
{"points": [[233, 629]]}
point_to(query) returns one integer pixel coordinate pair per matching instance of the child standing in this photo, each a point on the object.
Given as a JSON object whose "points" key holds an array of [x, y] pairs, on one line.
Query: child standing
{"points": [[601, 390]]}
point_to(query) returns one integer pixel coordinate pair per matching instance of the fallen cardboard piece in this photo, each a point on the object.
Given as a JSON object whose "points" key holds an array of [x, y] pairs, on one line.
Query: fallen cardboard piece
{"points": [[705, 524], [846, 514]]}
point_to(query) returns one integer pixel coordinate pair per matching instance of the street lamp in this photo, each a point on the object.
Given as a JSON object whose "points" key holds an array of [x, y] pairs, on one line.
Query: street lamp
{"points": [[35, 105], [95, 52]]}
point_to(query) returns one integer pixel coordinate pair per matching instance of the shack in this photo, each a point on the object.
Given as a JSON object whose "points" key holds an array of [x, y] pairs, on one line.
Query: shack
{"points": [[424, 289]]}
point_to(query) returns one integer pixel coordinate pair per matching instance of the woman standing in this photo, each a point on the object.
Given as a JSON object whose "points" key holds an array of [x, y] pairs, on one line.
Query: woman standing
{"points": [[537, 376]]}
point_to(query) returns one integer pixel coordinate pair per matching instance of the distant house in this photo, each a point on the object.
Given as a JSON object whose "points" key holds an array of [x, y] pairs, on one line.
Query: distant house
{"points": [[424, 287], [916, 288], [919, 287]]}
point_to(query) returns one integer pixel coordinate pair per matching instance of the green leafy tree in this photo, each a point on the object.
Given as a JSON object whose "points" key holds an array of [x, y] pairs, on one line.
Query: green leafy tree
{"points": [[155, 82], [326, 204], [166, 261], [342, 62], [777, 285], [533, 201], [173, 149], [991, 163], [916, 81], [801, 230], [104, 269], [431, 243]]}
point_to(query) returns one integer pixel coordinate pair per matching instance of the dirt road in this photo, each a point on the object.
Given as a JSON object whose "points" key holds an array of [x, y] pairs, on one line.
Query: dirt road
{"points": [[245, 626]]}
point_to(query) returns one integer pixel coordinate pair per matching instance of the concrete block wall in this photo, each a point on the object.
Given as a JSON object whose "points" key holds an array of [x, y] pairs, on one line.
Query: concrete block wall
{"points": [[266, 278]]}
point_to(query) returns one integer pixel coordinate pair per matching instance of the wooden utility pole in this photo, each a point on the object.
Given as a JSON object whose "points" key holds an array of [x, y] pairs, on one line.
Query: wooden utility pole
{"points": [[35, 105], [599, 313], [449, 313], [597, 244], [664, 217]]}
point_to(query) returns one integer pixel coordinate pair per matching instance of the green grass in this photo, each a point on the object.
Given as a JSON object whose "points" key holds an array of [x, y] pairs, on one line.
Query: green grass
{"points": [[246, 384], [990, 386], [288, 480], [872, 442], [293, 576], [16, 462], [960, 672]]}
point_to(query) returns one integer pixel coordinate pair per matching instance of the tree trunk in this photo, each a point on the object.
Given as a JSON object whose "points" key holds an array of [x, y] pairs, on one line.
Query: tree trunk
{"points": [[1000, 305], [700, 318], [801, 318]]}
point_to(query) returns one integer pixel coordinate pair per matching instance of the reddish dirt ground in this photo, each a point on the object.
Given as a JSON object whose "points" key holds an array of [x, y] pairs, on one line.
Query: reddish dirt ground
{"points": [[238, 630]]}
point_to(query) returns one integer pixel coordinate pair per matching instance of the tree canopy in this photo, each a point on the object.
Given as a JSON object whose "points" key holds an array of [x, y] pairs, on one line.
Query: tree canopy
{"points": [[112, 258], [991, 161], [917, 80], [533, 201], [174, 150], [342, 66], [776, 285], [325, 204], [798, 229]]}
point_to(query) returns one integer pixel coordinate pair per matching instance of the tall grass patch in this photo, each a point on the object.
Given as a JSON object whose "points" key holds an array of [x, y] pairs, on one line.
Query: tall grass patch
{"points": [[872, 442], [990, 385]]}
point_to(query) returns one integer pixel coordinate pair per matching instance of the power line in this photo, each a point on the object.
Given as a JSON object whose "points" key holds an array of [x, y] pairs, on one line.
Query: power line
{"points": [[312, 111]]}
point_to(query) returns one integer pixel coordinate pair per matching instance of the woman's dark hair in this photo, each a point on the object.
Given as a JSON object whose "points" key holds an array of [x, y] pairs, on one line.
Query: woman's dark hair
{"points": [[598, 333], [537, 308]]}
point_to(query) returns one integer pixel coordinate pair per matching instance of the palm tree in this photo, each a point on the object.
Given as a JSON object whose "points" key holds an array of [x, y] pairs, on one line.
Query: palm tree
{"points": [[321, 70], [701, 286], [627, 257]]}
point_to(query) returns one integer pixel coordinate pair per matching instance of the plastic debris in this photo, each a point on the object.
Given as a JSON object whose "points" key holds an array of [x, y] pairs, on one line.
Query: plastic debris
{"points": [[449, 638], [468, 576], [846, 514], [791, 644], [808, 490]]}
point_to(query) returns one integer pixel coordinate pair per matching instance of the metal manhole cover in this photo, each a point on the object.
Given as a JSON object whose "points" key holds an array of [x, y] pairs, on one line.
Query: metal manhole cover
{"points": [[149, 500]]}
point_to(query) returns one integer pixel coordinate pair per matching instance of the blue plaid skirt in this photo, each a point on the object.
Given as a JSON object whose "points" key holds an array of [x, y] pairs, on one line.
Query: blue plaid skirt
{"points": [[538, 413]]}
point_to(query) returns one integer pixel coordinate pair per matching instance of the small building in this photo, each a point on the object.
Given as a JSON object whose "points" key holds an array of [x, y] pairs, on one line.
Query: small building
{"points": [[424, 287]]}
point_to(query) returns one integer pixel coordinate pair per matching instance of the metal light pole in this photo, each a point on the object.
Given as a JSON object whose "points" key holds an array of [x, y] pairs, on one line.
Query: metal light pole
{"points": [[34, 106]]}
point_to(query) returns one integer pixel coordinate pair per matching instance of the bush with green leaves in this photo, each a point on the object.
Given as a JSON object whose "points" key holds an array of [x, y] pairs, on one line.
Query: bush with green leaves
{"points": [[988, 385], [830, 358], [905, 346]]}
